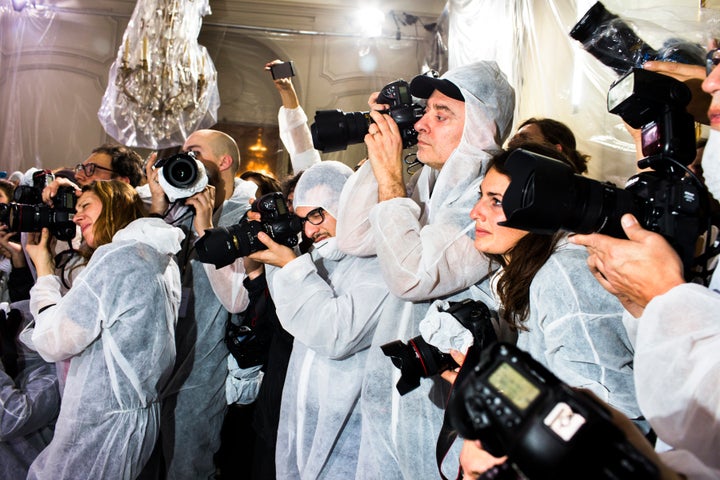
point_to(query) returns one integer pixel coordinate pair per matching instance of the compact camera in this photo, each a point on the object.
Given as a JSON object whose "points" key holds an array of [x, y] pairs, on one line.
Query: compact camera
{"points": [[221, 246], [28, 213], [545, 195], [334, 130], [517, 407], [612, 41], [418, 359], [282, 70]]}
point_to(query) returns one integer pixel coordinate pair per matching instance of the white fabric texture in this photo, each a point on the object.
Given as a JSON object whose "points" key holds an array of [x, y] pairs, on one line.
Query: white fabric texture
{"points": [[677, 370], [174, 193], [425, 249], [194, 402], [711, 166], [575, 328], [29, 404], [295, 135], [320, 186], [243, 384], [443, 330], [330, 303], [117, 323], [331, 307]]}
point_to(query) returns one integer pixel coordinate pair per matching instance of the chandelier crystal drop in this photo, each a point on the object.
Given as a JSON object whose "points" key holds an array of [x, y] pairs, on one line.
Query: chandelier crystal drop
{"points": [[163, 84]]}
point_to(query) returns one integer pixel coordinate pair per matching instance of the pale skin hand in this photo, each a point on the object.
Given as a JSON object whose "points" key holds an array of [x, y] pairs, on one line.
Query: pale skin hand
{"points": [[276, 254], [52, 188], [384, 145], [450, 375], [692, 76], [159, 202], [12, 250], [635, 270], [39, 249], [285, 88], [204, 205]]}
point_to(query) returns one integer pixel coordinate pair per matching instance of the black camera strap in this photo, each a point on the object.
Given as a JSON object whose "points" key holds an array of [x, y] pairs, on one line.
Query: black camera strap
{"points": [[448, 435]]}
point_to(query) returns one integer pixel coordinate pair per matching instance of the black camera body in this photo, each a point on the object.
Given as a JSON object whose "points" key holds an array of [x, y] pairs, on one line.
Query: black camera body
{"points": [[545, 195], [28, 213], [334, 130], [418, 359], [221, 246], [517, 407]]}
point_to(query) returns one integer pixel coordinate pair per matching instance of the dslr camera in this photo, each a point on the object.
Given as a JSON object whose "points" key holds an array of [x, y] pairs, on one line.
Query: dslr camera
{"points": [[221, 246], [608, 38], [181, 175], [517, 407], [334, 130], [545, 195], [418, 359], [28, 213]]}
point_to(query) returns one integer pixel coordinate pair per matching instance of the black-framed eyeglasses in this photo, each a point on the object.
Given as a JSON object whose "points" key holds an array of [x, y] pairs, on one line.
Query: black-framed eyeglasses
{"points": [[315, 217], [712, 60], [89, 168]]}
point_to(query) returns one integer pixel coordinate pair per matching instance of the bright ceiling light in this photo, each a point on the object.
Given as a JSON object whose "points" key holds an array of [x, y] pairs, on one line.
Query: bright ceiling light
{"points": [[370, 21]]}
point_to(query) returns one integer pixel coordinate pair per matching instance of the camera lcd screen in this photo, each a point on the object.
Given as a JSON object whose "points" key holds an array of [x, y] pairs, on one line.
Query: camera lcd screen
{"points": [[652, 141], [513, 386]]}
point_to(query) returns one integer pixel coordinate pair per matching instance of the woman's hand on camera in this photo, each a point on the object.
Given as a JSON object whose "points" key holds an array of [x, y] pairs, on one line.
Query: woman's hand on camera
{"points": [[451, 375], [38, 248]]}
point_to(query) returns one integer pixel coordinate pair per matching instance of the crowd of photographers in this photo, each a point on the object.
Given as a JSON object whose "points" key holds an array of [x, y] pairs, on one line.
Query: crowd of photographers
{"points": [[152, 299]]}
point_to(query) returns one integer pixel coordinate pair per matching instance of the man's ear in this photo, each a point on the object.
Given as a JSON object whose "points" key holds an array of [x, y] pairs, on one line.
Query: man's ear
{"points": [[225, 162], [120, 178]]}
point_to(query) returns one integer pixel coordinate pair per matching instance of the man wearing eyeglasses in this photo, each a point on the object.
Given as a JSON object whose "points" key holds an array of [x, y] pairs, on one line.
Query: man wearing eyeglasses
{"points": [[110, 162], [330, 302]]}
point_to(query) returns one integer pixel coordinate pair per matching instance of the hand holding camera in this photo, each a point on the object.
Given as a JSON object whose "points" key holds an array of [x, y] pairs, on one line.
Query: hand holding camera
{"points": [[221, 246]]}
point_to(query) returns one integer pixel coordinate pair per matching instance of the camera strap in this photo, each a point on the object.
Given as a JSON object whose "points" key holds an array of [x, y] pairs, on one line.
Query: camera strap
{"points": [[448, 435]]}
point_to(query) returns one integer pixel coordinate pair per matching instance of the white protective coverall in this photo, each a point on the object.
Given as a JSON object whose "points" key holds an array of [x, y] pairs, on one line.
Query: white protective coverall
{"points": [[677, 373], [575, 328], [194, 403], [330, 302], [29, 404], [425, 248], [117, 322]]}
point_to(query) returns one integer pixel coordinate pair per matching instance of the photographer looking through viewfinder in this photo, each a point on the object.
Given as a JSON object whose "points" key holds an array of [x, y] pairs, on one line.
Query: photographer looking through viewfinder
{"points": [[423, 240]]}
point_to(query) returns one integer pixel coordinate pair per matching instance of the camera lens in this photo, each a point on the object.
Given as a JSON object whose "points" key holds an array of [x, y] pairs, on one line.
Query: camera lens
{"points": [[612, 41], [418, 359], [334, 130], [180, 170], [545, 196]]}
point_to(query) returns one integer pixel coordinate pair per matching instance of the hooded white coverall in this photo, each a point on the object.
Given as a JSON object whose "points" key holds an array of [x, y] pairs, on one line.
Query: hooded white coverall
{"points": [[330, 302], [425, 248], [117, 322], [194, 403], [29, 404]]}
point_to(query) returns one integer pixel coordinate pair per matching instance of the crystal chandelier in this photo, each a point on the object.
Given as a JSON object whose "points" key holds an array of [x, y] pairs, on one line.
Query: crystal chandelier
{"points": [[163, 84]]}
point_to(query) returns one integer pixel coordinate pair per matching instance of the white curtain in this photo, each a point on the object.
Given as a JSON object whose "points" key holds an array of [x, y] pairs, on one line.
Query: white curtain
{"points": [[552, 74]]}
